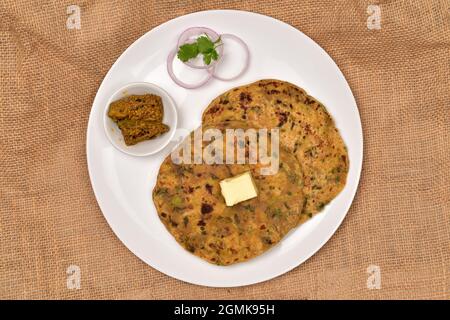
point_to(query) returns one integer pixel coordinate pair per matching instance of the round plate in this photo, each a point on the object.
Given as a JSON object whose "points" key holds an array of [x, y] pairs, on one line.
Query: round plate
{"points": [[123, 183]]}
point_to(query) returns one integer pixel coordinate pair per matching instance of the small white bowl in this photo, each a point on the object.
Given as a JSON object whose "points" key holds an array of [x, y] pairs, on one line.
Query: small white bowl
{"points": [[147, 147]]}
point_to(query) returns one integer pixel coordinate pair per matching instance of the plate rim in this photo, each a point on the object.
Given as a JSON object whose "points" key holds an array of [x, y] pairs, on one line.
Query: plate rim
{"points": [[289, 266]]}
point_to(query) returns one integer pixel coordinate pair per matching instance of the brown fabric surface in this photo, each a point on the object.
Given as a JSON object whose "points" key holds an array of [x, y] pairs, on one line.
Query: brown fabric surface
{"points": [[400, 219]]}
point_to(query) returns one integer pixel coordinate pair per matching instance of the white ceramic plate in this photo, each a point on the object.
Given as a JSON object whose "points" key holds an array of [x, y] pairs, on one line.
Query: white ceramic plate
{"points": [[123, 183]]}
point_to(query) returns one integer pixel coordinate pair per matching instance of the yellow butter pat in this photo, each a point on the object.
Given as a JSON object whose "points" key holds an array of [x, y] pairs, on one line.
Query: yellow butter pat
{"points": [[238, 188]]}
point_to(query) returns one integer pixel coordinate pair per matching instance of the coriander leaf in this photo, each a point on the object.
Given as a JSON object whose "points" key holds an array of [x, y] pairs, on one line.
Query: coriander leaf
{"points": [[205, 45], [214, 54], [187, 51], [207, 58]]}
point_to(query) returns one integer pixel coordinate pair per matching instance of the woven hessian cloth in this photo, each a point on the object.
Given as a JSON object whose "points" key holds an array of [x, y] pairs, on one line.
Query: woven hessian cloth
{"points": [[399, 220]]}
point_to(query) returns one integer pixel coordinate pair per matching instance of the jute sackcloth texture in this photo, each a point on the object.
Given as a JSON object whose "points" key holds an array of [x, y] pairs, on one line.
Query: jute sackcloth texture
{"points": [[399, 221]]}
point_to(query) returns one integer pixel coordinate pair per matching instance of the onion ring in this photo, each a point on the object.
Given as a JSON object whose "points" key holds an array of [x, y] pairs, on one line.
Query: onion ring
{"points": [[196, 31], [247, 58], [170, 59]]}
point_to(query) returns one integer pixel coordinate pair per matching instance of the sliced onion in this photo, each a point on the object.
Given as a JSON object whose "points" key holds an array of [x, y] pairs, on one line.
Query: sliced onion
{"points": [[170, 59], [186, 36], [247, 58]]}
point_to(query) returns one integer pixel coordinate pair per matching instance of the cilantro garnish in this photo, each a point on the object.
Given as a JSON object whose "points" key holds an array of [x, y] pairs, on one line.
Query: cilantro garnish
{"points": [[203, 45], [188, 51]]}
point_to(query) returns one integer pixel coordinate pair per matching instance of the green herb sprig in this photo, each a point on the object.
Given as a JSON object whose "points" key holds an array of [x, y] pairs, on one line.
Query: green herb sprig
{"points": [[203, 45]]}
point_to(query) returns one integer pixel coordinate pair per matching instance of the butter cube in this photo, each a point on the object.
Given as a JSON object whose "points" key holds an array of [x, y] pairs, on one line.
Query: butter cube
{"points": [[238, 188]]}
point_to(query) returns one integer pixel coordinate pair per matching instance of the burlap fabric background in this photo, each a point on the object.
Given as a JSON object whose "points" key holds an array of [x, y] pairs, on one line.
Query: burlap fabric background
{"points": [[399, 221]]}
